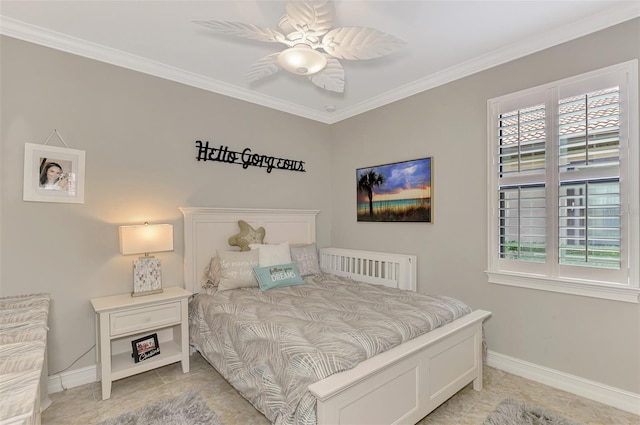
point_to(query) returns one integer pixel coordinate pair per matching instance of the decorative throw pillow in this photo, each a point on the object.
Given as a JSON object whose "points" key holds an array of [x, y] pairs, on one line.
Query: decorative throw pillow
{"points": [[270, 255], [211, 276], [236, 269], [209, 290], [278, 275], [306, 257], [247, 235]]}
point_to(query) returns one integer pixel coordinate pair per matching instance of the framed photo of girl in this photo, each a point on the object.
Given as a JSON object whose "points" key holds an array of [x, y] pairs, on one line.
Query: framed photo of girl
{"points": [[53, 174]]}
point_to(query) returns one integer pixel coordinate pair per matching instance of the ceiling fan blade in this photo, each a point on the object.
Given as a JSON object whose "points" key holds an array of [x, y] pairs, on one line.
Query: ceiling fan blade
{"points": [[264, 67], [331, 77], [315, 17], [360, 43], [239, 29], [285, 26]]}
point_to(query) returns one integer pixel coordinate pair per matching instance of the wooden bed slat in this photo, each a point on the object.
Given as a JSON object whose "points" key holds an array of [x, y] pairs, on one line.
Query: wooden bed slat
{"points": [[394, 270]]}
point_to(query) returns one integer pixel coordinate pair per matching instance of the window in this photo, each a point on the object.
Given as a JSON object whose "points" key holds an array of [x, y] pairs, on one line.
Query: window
{"points": [[564, 186]]}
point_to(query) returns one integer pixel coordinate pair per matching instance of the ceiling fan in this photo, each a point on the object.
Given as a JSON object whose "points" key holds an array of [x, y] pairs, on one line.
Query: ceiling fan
{"points": [[313, 46]]}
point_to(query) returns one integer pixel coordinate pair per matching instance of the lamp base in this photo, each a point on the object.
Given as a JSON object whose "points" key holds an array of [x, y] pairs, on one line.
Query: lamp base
{"points": [[142, 293], [147, 276]]}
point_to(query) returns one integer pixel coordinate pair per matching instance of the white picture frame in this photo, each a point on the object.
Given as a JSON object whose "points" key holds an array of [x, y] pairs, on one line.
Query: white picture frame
{"points": [[64, 182]]}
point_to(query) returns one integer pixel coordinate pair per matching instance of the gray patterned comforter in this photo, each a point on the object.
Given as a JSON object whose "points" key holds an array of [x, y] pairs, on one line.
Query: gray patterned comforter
{"points": [[272, 345]]}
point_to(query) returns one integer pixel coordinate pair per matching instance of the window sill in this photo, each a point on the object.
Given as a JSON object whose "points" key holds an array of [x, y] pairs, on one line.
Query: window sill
{"points": [[582, 288]]}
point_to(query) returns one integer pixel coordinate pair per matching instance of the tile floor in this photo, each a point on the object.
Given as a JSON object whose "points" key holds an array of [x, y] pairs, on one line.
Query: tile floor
{"points": [[84, 406]]}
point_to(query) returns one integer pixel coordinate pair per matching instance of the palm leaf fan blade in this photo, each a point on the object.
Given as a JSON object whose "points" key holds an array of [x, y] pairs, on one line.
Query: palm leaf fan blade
{"points": [[310, 16], [360, 43], [263, 68], [240, 29], [331, 77]]}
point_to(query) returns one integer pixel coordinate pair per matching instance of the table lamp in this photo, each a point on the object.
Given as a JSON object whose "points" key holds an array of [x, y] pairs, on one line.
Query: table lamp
{"points": [[146, 238]]}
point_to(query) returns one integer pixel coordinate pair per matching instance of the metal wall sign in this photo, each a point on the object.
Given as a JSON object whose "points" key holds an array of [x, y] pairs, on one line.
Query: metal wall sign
{"points": [[246, 158]]}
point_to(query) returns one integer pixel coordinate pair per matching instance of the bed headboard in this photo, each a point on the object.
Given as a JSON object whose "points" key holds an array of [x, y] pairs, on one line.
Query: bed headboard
{"points": [[208, 229]]}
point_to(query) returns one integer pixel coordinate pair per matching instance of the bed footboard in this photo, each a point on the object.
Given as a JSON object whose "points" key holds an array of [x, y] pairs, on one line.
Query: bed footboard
{"points": [[404, 384], [395, 270]]}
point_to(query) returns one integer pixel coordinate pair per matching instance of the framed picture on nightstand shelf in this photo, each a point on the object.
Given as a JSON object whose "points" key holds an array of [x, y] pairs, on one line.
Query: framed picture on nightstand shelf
{"points": [[145, 347]]}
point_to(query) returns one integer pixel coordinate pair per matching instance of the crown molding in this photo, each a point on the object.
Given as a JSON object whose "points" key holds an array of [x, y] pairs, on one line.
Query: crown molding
{"points": [[614, 16], [55, 40]]}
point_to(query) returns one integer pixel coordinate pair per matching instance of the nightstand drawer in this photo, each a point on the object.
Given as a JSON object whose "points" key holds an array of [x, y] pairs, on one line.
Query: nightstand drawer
{"points": [[143, 318]]}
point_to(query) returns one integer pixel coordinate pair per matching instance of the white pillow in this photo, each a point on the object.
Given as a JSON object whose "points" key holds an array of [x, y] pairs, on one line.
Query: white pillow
{"points": [[272, 255]]}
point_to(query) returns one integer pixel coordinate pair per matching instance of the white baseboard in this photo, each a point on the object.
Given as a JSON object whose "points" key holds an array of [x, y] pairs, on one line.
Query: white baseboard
{"points": [[72, 378], [611, 396]]}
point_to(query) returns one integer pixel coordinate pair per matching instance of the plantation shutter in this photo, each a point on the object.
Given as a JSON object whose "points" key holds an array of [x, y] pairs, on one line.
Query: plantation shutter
{"points": [[564, 185], [589, 184], [522, 210]]}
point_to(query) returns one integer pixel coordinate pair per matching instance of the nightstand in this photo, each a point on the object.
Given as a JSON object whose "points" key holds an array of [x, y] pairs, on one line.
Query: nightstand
{"points": [[121, 319]]}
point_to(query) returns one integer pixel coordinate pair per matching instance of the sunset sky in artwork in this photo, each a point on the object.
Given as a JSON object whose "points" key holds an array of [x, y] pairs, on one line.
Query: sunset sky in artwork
{"points": [[403, 180]]}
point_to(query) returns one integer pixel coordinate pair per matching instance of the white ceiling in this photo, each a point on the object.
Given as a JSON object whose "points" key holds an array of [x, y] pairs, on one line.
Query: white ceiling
{"points": [[446, 40]]}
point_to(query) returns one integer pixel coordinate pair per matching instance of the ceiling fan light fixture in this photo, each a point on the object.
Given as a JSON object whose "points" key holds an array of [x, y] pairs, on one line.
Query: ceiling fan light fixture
{"points": [[302, 60], [313, 45]]}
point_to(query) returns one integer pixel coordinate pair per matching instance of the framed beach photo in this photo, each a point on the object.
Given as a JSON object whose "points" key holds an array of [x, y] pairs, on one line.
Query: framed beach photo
{"points": [[399, 192], [53, 174]]}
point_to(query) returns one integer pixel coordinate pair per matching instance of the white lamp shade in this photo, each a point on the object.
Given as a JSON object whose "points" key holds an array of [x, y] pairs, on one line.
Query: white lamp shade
{"points": [[146, 238]]}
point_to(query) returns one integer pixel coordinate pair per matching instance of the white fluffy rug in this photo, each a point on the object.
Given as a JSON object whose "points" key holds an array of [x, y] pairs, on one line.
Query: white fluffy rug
{"points": [[515, 412], [187, 409]]}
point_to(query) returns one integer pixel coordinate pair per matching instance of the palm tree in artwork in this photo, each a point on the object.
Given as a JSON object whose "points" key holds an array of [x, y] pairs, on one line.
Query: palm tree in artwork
{"points": [[367, 181]]}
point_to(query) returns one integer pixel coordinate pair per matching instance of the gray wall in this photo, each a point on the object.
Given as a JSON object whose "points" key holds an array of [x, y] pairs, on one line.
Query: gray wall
{"points": [[591, 338], [138, 132]]}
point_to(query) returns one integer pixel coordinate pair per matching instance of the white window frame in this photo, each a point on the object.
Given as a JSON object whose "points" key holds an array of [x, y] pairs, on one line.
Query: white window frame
{"points": [[619, 285]]}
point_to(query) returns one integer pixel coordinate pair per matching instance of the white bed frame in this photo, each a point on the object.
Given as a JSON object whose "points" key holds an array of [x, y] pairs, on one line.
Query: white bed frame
{"points": [[399, 386], [395, 270]]}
